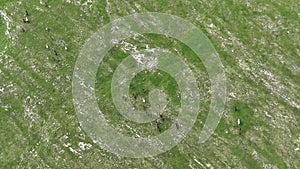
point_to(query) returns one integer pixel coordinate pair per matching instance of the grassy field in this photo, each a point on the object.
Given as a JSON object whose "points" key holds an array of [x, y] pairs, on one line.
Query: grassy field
{"points": [[258, 44]]}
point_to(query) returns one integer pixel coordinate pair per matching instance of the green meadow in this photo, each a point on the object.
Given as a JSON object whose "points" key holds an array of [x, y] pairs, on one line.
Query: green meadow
{"points": [[258, 44]]}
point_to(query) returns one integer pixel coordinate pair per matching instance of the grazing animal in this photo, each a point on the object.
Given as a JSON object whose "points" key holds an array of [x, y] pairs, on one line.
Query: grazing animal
{"points": [[144, 107], [135, 96], [157, 125], [162, 117], [56, 53], [26, 20], [125, 98], [177, 126], [23, 29], [158, 128], [145, 91], [56, 60], [240, 131]]}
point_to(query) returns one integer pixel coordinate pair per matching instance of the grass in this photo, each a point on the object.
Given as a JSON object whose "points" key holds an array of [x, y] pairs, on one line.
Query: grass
{"points": [[4, 41], [240, 35]]}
